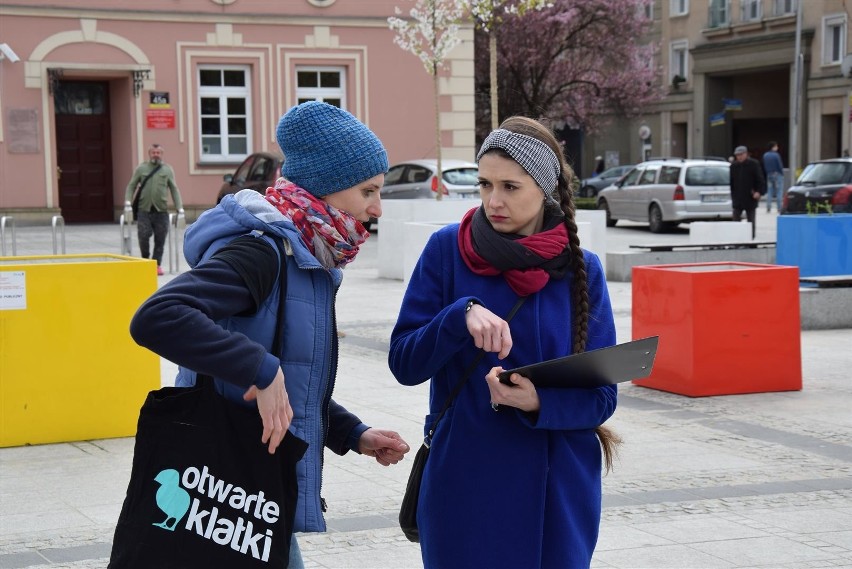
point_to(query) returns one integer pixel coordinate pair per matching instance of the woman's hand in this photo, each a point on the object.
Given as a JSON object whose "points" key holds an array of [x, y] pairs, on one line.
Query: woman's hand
{"points": [[522, 395], [273, 404], [386, 446], [489, 331]]}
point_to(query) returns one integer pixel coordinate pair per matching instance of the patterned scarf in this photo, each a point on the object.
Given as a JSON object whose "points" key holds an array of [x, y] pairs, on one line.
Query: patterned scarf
{"points": [[332, 236], [526, 262]]}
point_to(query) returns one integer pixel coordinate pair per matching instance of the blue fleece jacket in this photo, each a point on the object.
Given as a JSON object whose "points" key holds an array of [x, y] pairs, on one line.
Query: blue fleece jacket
{"points": [[207, 321], [507, 489]]}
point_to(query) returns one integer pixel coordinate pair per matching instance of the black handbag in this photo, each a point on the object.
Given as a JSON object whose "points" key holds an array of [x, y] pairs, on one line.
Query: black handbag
{"points": [[204, 491], [408, 508]]}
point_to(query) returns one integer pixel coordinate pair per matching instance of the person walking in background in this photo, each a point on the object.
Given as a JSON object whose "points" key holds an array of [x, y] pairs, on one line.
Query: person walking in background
{"points": [[774, 168], [150, 184], [220, 318], [747, 186], [599, 166], [516, 459]]}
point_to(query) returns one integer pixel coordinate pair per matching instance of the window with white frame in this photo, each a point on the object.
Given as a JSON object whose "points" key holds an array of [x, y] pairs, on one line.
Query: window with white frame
{"points": [[224, 108], [834, 39], [678, 61], [750, 10], [326, 84], [719, 13], [679, 7], [783, 7]]}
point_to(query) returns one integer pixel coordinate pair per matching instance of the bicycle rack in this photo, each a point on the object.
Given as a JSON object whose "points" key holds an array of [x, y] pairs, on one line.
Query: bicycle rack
{"points": [[58, 222], [126, 243], [176, 223], [3, 222]]}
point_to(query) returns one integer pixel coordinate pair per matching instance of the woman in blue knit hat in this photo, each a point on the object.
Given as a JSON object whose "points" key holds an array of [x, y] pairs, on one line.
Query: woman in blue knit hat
{"points": [[513, 478], [219, 319]]}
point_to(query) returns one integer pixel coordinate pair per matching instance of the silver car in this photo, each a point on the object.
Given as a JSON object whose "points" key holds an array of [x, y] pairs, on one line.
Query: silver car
{"points": [[670, 191], [416, 179]]}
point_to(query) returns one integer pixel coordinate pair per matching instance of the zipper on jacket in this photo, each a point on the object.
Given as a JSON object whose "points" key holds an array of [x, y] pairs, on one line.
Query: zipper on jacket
{"points": [[330, 373]]}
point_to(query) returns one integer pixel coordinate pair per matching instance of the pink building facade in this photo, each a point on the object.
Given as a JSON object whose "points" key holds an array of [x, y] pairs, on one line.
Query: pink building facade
{"points": [[85, 90]]}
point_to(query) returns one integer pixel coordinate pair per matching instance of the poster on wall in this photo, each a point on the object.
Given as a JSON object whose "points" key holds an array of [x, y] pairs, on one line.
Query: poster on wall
{"points": [[160, 118]]}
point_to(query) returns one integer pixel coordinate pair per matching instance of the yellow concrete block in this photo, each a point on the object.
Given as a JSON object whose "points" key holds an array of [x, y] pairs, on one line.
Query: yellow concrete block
{"points": [[69, 370]]}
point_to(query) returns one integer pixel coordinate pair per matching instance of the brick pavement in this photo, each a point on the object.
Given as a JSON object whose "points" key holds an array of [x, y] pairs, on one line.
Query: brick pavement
{"points": [[761, 480]]}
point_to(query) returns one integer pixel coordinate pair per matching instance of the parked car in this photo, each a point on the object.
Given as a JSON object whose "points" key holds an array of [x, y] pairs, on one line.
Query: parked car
{"points": [[257, 172], [589, 187], [668, 192], [823, 187], [416, 179]]}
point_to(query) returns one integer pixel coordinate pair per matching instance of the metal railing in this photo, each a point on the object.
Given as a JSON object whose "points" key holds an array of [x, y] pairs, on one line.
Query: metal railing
{"points": [[126, 240], [176, 223], [8, 220], [57, 225]]}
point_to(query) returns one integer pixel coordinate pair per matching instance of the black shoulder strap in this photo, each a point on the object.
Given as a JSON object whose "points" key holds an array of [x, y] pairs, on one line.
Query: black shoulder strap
{"points": [[148, 177], [278, 340], [428, 440]]}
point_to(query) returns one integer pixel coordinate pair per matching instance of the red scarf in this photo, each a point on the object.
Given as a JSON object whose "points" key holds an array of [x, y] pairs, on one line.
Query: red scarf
{"points": [[548, 253]]}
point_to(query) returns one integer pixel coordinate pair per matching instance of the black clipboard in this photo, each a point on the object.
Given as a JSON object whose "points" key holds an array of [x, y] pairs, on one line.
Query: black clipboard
{"points": [[595, 368]]}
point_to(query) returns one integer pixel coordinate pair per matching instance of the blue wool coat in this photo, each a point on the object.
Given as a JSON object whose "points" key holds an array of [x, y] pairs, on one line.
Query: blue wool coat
{"points": [[506, 489]]}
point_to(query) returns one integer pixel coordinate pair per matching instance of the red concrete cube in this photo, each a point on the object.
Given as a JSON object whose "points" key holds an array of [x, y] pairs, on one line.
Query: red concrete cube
{"points": [[725, 328]]}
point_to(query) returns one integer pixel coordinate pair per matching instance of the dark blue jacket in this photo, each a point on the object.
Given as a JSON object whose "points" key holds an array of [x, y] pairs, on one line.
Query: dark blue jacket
{"points": [[199, 322]]}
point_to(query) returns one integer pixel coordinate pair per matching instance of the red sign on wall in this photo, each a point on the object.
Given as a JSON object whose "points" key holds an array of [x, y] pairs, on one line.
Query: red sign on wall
{"points": [[160, 118]]}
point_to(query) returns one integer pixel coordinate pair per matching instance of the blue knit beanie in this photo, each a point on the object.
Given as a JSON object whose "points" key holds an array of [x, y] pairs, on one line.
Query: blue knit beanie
{"points": [[327, 150]]}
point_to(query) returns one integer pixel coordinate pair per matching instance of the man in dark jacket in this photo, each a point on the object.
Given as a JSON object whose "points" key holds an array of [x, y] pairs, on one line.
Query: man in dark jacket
{"points": [[747, 185]]}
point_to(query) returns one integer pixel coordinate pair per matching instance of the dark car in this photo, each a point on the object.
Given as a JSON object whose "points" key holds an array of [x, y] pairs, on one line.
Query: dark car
{"points": [[257, 172], [823, 187], [589, 187]]}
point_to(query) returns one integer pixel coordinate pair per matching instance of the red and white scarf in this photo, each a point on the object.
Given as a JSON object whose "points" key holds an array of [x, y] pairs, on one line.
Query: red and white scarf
{"points": [[333, 236]]}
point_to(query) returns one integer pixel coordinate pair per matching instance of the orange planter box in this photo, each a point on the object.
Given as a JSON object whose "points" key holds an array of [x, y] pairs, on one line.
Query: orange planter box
{"points": [[725, 328]]}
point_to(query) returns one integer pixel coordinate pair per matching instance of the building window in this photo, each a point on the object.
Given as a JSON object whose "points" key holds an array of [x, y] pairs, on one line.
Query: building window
{"points": [[648, 9], [750, 10], [834, 39], [720, 13], [679, 7], [678, 61], [783, 7], [224, 109], [326, 84]]}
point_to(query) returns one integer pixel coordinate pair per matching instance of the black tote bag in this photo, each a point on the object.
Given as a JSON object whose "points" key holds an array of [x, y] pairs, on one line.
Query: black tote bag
{"points": [[204, 491]]}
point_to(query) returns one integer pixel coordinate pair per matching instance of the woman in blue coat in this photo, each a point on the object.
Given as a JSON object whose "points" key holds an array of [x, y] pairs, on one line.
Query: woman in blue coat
{"points": [[514, 476]]}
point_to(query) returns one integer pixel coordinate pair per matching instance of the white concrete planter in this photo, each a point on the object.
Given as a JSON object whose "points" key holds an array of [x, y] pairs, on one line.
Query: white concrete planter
{"points": [[392, 230], [711, 232], [406, 225]]}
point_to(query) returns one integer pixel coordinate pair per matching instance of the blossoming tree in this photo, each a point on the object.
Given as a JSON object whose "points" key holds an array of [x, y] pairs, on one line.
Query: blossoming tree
{"points": [[579, 61], [489, 14], [431, 34]]}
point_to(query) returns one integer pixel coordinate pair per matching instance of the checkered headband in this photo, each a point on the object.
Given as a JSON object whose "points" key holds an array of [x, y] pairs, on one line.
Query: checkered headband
{"points": [[533, 155]]}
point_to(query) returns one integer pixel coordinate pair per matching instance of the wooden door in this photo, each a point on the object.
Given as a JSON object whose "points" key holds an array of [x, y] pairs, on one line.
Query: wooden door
{"points": [[83, 151]]}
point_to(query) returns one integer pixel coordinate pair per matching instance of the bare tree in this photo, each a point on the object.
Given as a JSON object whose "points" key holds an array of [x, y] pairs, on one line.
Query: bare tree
{"points": [[489, 14], [431, 34]]}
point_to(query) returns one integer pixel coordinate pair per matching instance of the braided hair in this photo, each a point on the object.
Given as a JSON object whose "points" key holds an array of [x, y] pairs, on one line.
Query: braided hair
{"points": [[609, 439]]}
